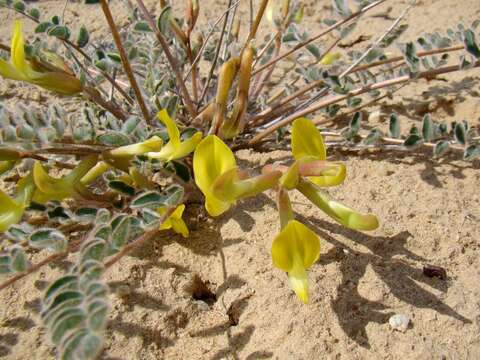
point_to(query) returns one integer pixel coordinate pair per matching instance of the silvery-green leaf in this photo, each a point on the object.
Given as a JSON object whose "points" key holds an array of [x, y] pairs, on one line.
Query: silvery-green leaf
{"points": [[471, 152], [94, 250], [142, 26], [470, 43], [19, 6], [113, 139], [180, 169], [43, 26], [102, 231], [66, 324], [71, 343], [427, 128], [34, 12], [59, 31], [103, 216], [121, 187], [64, 296], [413, 141], [83, 37], [97, 319], [86, 213], [373, 137], [61, 283], [460, 133], [5, 262], [121, 231], [48, 239], [19, 260], [173, 195], [163, 22], [150, 199], [26, 132], [441, 148], [130, 125], [90, 347]]}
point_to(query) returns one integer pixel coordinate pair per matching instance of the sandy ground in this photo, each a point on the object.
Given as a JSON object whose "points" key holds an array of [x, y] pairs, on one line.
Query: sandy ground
{"points": [[429, 212]]}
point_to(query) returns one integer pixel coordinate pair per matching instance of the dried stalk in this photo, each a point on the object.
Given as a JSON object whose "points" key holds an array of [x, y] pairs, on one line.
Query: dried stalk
{"points": [[125, 61], [173, 62], [335, 99], [318, 36]]}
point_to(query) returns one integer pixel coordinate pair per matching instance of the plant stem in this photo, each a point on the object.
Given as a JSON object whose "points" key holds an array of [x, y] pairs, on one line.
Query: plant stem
{"points": [[378, 41], [34, 268], [125, 61], [173, 62], [205, 41], [399, 80], [258, 19], [217, 54]]}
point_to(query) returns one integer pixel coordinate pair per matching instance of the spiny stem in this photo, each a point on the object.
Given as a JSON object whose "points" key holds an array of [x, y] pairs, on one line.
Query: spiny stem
{"points": [[318, 36], [125, 61], [399, 80], [173, 62]]}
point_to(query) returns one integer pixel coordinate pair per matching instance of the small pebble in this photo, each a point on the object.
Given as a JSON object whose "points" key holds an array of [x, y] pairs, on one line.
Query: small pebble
{"points": [[399, 322]]}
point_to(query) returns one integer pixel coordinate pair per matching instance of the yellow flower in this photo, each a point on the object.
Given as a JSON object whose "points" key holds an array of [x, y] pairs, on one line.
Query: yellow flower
{"points": [[175, 148], [211, 159], [50, 188], [330, 58], [308, 148], [216, 174], [174, 221], [11, 210], [50, 77], [294, 250]]}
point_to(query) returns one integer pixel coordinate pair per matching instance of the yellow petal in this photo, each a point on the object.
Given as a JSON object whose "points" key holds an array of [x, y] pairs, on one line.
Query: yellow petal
{"points": [[172, 129], [307, 141], [211, 159], [294, 250], [289, 180], [95, 172], [330, 58], [153, 144], [295, 240], [334, 175], [336, 210], [9, 72], [59, 189], [59, 82], [11, 210], [18, 51], [299, 282], [174, 221], [175, 148], [180, 227]]}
